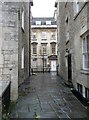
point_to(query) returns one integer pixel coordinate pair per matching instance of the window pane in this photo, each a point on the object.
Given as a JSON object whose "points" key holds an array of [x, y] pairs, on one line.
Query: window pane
{"points": [[34, 49], [48, 22], [53, 48], [44, 48], [22, 66], [84, 45], [23, 20], [44, 36], [87, 43], [38, 22]]}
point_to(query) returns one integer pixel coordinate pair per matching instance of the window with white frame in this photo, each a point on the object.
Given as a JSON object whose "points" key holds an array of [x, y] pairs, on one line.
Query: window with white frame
{"points": [[85, 52], [48, 22], [53, 46], [44, 36], [22, 20], [44, 48], [34, 48], [38, 22], [77, 6], [53, 35], [34, 36], [22, 65]]}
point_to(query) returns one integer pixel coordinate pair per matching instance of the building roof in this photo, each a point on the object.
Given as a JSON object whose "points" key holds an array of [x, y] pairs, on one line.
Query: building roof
{"points": [[43, 22]]}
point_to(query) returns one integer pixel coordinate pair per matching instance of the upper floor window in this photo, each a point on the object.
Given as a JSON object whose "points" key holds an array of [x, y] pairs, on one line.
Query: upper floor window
{"points": [[22, 20], [22, 56], [53, 46], [85, 52], [53, 35], [48, 22], [76, 7], [44, 49], [34, 48], [44, 36], [38, 22], [34, 36]]}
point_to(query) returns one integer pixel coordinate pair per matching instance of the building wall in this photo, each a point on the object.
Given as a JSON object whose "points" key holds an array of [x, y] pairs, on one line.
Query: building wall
{"points": [[77, 27], [24, 41], [9, 48], [81, 27], [13, 39], [39, 63]]}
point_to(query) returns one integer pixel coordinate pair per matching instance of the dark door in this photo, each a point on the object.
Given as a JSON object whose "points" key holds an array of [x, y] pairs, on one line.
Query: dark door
{"points": [[69, 68]]}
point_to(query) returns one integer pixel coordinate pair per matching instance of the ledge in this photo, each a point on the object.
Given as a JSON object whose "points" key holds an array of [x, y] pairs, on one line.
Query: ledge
{"points": [[84, 72]]}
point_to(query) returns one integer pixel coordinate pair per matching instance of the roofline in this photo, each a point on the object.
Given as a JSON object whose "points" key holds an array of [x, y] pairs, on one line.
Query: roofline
{"points": [[43, 26]]}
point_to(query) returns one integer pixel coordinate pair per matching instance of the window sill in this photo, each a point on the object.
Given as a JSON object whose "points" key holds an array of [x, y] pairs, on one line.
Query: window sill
{"points": [[85, 72]]}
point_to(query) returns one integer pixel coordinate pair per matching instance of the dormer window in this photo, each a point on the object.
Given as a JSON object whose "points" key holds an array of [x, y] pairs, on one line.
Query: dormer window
{"points": [[48, 22], [38, 22]]}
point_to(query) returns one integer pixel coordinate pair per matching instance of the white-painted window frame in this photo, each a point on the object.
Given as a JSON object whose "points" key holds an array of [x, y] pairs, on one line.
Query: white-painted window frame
{"points": [[77, 6], [48, 22], [44, 35], [34, 49], [23, 22], [85, 52], [22, 59], [38, 22]]}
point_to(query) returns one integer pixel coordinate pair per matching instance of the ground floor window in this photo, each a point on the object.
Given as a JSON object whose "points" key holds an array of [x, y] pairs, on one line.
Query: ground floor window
{"points": [[79, 88], [87, 93]]}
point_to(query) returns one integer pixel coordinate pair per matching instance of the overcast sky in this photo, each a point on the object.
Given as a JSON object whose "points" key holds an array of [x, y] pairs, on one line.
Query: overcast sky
{"points": [[43, 8]]}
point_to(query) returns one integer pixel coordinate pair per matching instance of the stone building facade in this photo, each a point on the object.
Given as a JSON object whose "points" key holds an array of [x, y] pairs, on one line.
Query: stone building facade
{"points": [[44, 44], [14, 43], [73, 44]]}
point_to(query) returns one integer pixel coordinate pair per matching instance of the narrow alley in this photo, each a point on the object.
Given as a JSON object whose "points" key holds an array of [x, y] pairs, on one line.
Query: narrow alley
{"points": [[46, 96]]}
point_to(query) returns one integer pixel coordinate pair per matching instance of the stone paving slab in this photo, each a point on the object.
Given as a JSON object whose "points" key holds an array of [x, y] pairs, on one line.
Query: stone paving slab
{"points": [[46, 96]]}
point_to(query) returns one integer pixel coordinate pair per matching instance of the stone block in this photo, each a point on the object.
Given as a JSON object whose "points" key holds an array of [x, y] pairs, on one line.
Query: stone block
{"points": [[0, 71], [6, 77], [7, 57], [6, 71]]}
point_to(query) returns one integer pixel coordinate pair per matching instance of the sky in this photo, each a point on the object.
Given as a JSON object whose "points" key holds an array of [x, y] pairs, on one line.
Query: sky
{"points": [[43, 8]]}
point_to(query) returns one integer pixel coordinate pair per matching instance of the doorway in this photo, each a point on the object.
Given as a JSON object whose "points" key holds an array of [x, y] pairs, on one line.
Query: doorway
{"points": [[53, 65]]}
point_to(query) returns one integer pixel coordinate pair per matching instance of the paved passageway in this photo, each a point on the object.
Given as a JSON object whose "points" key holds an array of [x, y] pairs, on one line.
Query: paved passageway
{"points": [[46, 96]]}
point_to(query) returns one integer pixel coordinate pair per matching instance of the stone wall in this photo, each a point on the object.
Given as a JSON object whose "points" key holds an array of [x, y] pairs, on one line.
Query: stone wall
{"points": [[12, 40], [24, 42], [77, 27], [9, 49]]}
